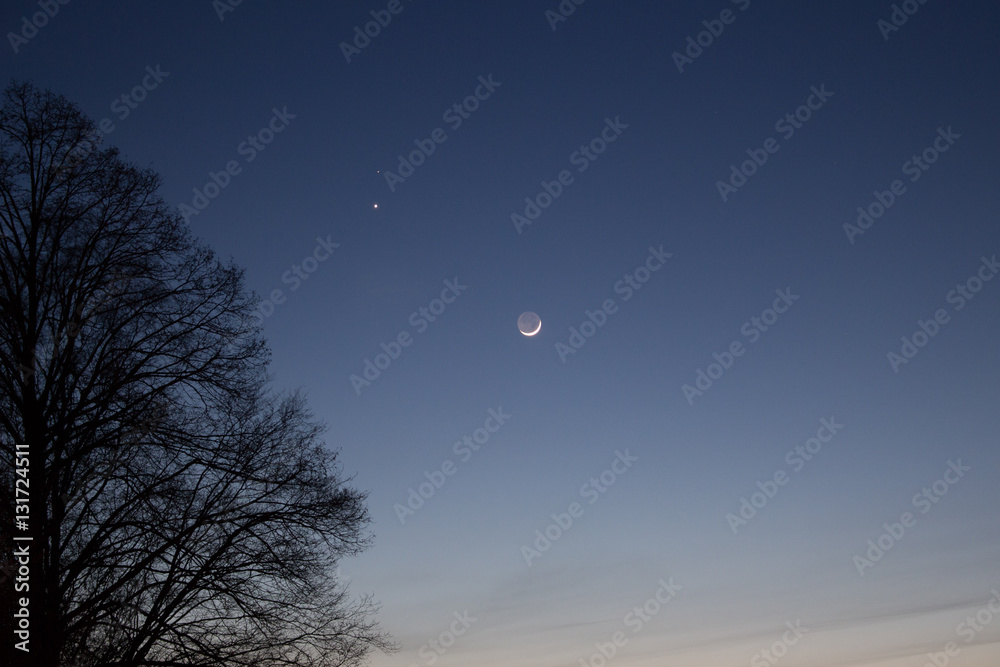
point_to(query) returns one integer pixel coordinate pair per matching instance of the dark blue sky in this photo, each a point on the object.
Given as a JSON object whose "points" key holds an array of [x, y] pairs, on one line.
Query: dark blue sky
{"points": [[277, 74]]}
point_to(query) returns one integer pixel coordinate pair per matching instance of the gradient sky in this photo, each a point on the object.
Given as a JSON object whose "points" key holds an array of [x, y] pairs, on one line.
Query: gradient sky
{"points": [[665, 516]]}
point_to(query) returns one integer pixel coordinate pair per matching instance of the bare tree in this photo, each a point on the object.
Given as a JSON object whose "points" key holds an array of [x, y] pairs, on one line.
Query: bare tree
{"points": [[178, 512]]}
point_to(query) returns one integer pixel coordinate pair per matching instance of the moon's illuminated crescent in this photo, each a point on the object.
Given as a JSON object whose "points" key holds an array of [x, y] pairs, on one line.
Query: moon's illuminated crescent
{"points": [[529, 323]]}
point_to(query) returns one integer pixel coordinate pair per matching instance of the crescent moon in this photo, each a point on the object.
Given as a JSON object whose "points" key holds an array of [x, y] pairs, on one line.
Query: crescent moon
{"points": [[528, 321]]}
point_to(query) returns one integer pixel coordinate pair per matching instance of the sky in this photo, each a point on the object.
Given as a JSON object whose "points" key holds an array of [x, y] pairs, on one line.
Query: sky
{"points": [[758, 424]]}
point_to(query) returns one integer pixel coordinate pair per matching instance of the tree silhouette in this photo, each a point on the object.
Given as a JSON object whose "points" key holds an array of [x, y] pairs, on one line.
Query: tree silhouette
{"points": [[179, 512]]}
